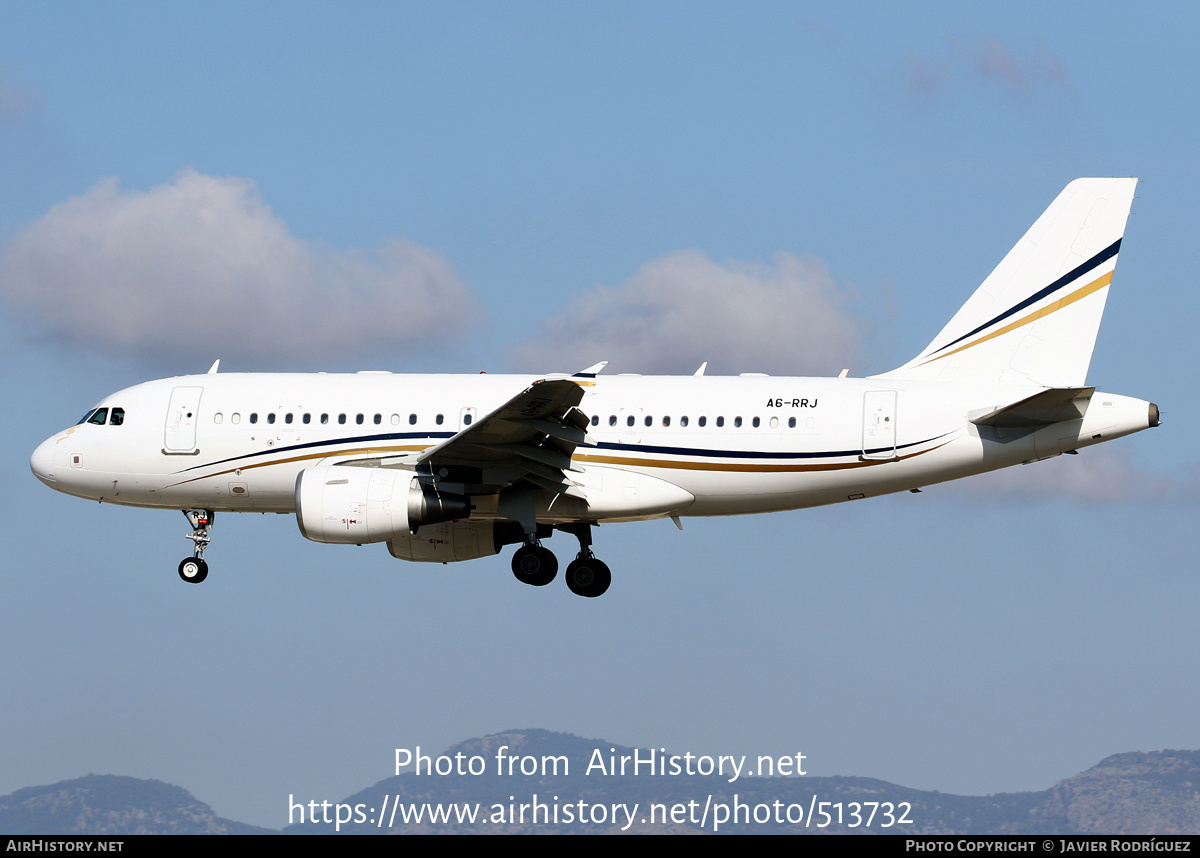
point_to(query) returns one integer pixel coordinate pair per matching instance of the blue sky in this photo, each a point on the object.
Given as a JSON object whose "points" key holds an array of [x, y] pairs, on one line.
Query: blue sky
{"points": [[460, 186]]}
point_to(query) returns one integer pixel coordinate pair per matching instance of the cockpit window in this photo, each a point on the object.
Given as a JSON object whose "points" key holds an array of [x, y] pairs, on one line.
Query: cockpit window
{"points": [[117, 417], [99, 416], [84, 418]]}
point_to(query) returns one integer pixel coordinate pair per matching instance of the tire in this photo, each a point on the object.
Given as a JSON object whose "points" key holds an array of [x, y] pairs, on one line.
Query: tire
{"points": [[193, 570], [534, 565], [588, 577]]}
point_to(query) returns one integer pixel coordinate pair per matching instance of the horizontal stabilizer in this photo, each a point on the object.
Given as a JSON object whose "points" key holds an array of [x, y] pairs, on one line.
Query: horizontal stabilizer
{"points": [[1055, 405]]}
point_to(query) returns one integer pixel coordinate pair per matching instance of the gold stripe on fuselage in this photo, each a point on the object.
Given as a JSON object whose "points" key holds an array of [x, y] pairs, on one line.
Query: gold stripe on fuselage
{"points": [[626, 461], [693, 465], [324, 454]]}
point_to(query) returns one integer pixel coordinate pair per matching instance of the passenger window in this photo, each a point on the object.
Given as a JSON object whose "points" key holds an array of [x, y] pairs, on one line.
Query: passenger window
{"points": [[629, 422], [253, 416], [682, 421], [756, 422], [703, 421], [467, 418], [358, 418], [612, 420], [235, 417], [439, 419], [288, 418], [341, 419], [324, 419], [307, 417], [412, 420], [218, 417], [378, 419], [720, 421], [649, 420], [791, 422], [737, 422], [595, 419], [666, 421], [271, 417], [774, 422], [99, 416], [117, 418], [395, 419]]}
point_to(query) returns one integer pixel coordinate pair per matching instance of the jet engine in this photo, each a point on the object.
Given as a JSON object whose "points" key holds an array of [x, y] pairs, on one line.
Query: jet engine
{"points": [[346, 504], [450, 541]]}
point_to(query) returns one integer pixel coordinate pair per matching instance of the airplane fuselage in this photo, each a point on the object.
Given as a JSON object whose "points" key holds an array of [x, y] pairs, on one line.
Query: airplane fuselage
{"points": [[453, 467], [694, 445]]}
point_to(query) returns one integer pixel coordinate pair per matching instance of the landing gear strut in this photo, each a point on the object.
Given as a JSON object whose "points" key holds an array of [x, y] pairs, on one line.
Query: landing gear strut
{"points": [[193, 569], [586, 576], [534, 564]]}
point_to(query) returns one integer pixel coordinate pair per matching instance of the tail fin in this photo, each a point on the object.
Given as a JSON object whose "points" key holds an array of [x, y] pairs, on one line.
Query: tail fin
{"points": [[1034, 319]]}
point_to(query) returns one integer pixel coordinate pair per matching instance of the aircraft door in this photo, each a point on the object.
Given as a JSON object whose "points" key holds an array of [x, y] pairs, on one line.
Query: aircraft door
{"points": [[879, 424], [182, 416]]}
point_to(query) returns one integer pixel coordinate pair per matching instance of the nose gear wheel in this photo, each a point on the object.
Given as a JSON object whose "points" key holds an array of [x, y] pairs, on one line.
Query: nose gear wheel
{"points": [[194, 569]]}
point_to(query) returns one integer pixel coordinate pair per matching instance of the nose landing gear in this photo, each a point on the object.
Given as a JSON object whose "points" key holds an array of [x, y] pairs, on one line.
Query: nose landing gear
{"points": [[193, 569]]}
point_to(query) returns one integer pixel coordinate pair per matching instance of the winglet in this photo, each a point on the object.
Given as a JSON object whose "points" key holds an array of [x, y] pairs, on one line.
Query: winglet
{"points": [[592, 371]]}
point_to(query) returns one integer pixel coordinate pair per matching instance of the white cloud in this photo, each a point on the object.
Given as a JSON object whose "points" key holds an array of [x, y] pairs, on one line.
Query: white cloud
{"points": [[785, 317], [987, 60], [1104, 473], [16, 102], [925, 78], [992, 59], [200, 267]]}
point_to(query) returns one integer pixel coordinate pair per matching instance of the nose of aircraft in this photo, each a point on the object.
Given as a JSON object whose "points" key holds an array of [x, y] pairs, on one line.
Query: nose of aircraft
{"points": [[42, 462]]}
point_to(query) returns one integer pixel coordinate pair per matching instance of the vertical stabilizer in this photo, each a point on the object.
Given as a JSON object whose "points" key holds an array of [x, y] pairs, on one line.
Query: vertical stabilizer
{"points": [[1034, 319]]}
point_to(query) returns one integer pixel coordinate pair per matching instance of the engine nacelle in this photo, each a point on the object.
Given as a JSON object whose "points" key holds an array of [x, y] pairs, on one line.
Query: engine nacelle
{"points": [[447, 542], [348, 505]]}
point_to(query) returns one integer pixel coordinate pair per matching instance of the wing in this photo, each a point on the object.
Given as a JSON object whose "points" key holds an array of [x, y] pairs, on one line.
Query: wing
{"points": [[531, 437]]}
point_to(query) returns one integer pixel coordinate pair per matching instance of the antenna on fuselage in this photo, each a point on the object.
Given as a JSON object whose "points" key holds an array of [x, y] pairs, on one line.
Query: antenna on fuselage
{"points": [[212, 370], [703, 367]]}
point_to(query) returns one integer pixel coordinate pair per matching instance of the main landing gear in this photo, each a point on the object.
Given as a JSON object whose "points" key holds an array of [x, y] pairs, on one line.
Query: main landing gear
{"points": [[586, 576], [193, 569], [534, 564]]}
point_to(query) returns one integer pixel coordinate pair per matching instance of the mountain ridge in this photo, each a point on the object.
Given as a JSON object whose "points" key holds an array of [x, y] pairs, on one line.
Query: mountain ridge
{"points": [[1156, 792]]}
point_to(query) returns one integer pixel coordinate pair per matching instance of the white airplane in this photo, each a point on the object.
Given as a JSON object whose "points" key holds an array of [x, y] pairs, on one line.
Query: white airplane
{"points": [[453, 467]]}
